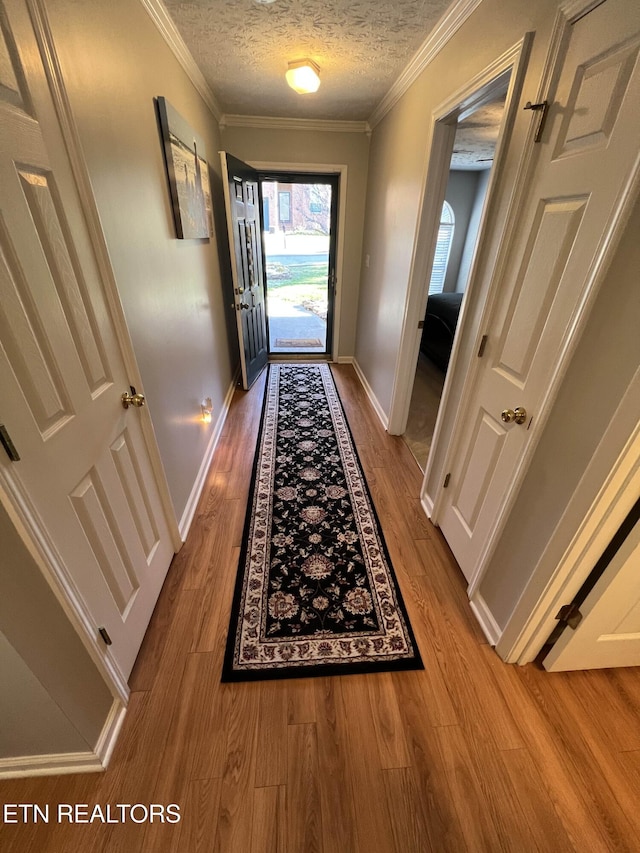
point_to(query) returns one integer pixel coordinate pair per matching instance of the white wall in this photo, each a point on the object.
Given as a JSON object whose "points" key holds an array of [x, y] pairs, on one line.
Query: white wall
{"points": [[398, 159], [610, 349], [471, 237], [53, 698], [30, 721], [114, 63], [460, 193], [317, 147]]}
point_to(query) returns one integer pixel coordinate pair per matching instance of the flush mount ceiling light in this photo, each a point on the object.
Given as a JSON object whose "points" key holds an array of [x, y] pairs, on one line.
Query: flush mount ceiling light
{"points": [[303, 76]]}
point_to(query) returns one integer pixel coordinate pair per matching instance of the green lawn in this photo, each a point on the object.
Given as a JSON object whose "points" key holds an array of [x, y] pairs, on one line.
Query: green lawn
{"points": [[306, 283]]}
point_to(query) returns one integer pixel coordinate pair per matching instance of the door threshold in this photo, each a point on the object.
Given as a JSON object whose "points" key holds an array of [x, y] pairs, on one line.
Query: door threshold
{"points": [[300, 356]]}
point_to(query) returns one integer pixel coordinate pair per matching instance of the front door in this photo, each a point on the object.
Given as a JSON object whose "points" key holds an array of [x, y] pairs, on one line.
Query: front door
{"points": [[84, 479], [241, 198], [588, 154]]}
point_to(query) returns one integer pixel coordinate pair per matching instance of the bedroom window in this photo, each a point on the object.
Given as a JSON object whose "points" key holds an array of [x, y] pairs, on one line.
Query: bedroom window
{"points": [[443, 248]]}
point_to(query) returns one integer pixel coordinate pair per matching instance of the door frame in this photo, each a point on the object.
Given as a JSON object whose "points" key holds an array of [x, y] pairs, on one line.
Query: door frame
{"points": [[609, 488], [340, 170], [475, 93], [13, 496], [305, 179]]}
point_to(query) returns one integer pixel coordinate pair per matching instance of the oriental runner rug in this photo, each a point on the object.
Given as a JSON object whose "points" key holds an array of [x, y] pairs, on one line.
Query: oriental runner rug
{"points": [[316, 593]]}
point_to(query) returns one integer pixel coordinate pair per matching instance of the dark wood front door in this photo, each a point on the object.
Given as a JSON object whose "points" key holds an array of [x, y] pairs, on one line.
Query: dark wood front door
{"points": [[243, 224]]}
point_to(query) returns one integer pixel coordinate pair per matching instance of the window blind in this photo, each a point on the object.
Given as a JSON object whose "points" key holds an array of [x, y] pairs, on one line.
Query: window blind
{"points": [[443, 249]]}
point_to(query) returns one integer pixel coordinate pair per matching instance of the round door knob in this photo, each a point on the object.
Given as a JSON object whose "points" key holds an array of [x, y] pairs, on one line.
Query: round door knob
{"points": [[132, 399], [517, 416]]}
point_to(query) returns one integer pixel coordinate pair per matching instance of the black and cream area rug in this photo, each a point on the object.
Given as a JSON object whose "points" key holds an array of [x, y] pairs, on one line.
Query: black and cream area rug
{"points": [[316, 593]]}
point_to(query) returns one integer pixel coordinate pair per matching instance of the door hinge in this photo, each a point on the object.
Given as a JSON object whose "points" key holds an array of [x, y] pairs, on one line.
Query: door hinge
{"points": [[105, 636], [542, 108], [569, 614], [483, 344], [446, 481], [421, 324], [8, 445]]}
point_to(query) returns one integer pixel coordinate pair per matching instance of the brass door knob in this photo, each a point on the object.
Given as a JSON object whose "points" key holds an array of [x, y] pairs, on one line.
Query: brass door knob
{"points": [[518, 415], [132, 399]]}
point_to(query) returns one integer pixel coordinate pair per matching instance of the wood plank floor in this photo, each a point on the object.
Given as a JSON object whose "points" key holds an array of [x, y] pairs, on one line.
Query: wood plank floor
{"points": [[468, 755]]}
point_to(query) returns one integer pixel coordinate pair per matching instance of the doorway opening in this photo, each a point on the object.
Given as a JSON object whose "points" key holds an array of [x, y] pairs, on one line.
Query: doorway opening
{"points": [[474, 145], [299, 222]]}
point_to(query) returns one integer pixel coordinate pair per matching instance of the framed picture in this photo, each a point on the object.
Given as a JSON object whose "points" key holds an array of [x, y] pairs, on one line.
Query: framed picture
{"points": [[188, 174]]}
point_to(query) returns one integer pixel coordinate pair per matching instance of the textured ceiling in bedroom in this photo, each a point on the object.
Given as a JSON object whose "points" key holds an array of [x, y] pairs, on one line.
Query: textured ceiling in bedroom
{"points": [[477, 136]]}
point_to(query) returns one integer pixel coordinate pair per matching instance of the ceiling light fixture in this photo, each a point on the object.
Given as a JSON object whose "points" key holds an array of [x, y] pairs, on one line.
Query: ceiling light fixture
{"points": [[303, 76]]}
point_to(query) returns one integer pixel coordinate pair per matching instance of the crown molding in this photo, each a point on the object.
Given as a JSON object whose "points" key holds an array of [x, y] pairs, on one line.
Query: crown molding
{"points": [[169, 32], [448, 25], [576, 9], [277, 123]]}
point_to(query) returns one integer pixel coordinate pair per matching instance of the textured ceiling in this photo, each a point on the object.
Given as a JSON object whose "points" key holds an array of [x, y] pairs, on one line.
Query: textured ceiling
{"points": [[361, 46], [477, 136]]}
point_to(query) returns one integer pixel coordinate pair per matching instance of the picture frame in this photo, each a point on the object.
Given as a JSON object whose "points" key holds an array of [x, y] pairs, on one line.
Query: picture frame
{"points": [[187, 172]]}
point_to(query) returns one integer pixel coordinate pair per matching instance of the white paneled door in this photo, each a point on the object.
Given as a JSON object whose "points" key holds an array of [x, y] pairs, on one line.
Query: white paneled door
{"points": [[84, 478], [586, 159]]}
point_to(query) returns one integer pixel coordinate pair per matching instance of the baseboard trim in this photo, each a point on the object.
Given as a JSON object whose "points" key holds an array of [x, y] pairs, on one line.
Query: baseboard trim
{"points": [[201, 478], [380, 412], [49, 765], [110, 733], [344, 359], [427, 505], [69, 762], [490, 627]]}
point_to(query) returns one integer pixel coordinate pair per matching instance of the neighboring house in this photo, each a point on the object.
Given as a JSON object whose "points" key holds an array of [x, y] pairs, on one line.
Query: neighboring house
{"points": [[175, 298], [296, 208]]}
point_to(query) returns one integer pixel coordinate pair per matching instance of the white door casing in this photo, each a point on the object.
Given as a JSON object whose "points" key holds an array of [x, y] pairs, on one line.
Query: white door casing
{"points": [[609, 633], [587, 161], [324, 169], [509, 68], [607, 492], [85, 479]]}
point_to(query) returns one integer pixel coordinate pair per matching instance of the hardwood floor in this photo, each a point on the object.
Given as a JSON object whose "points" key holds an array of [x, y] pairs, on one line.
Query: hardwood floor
{"points": [[423, 409], [468, 755]]}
